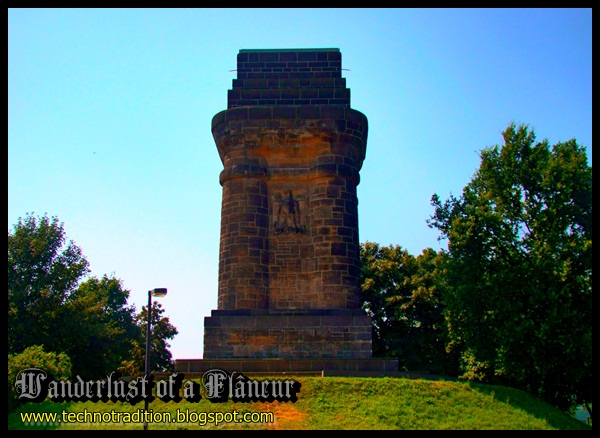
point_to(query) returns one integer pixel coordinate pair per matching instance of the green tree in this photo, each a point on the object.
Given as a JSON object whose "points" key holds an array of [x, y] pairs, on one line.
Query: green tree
{"points": [[161, 330], [103, 324], [519, 301], [402, 294], [43, 270]]}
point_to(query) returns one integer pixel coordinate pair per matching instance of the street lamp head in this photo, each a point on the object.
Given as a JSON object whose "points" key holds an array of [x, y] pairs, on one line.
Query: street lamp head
{"points": [[159, 292]]}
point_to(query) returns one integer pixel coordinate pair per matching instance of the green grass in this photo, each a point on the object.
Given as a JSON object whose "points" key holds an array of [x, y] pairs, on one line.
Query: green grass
{"points": [[349, 403]]}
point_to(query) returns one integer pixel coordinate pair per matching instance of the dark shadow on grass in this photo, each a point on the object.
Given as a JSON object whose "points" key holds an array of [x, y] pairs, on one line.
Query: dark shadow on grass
{"points": [[526, 402]]}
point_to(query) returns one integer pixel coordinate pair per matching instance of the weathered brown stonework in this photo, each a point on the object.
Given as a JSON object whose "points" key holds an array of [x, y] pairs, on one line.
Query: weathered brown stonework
{"points": [[271, 258], [291, 149], [324, 333]]}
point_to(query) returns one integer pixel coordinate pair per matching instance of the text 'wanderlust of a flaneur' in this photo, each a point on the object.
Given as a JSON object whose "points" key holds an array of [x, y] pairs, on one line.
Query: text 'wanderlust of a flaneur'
{"points": [[217, 385]]}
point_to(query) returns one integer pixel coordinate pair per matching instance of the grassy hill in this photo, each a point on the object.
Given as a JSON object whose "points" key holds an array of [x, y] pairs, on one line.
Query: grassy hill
{"points": [[339, 403]]}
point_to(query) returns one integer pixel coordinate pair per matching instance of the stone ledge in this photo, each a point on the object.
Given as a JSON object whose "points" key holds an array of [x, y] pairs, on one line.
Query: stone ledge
{"points": [[290, 312], [294, 112], [323, 366]]}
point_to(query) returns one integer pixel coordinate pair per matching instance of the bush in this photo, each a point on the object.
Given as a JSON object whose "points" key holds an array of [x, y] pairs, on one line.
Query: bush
{"points": [[57, 365]]}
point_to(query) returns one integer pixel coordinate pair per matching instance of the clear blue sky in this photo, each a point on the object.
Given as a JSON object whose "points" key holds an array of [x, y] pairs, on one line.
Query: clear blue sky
{"points": [[109, 116]]}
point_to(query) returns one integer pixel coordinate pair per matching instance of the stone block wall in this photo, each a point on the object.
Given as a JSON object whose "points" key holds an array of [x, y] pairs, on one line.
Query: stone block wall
{"points": [[269, 257], [289, 77], [325, 333]]}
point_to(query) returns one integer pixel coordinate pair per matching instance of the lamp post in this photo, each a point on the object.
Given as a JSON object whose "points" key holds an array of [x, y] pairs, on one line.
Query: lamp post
{"points": [[156, 292]]}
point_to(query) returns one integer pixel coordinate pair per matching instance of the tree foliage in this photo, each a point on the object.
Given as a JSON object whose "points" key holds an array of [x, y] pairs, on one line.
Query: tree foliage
{"points": [[57, 365], [403, 296], [160, 355], [52, 304], [519, 302], [43, 270], [161, 331], [103, 323]]}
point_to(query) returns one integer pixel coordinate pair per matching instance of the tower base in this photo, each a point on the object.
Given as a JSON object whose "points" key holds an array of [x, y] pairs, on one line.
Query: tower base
{"points": [[290, 334]]}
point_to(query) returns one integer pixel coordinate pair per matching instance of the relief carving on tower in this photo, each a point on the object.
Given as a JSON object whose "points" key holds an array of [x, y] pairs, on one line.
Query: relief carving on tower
{"points": [[288, 213]]}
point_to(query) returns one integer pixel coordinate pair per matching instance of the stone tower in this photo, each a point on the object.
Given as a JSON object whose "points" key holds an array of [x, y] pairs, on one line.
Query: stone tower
{"points": [[292, 149]]}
